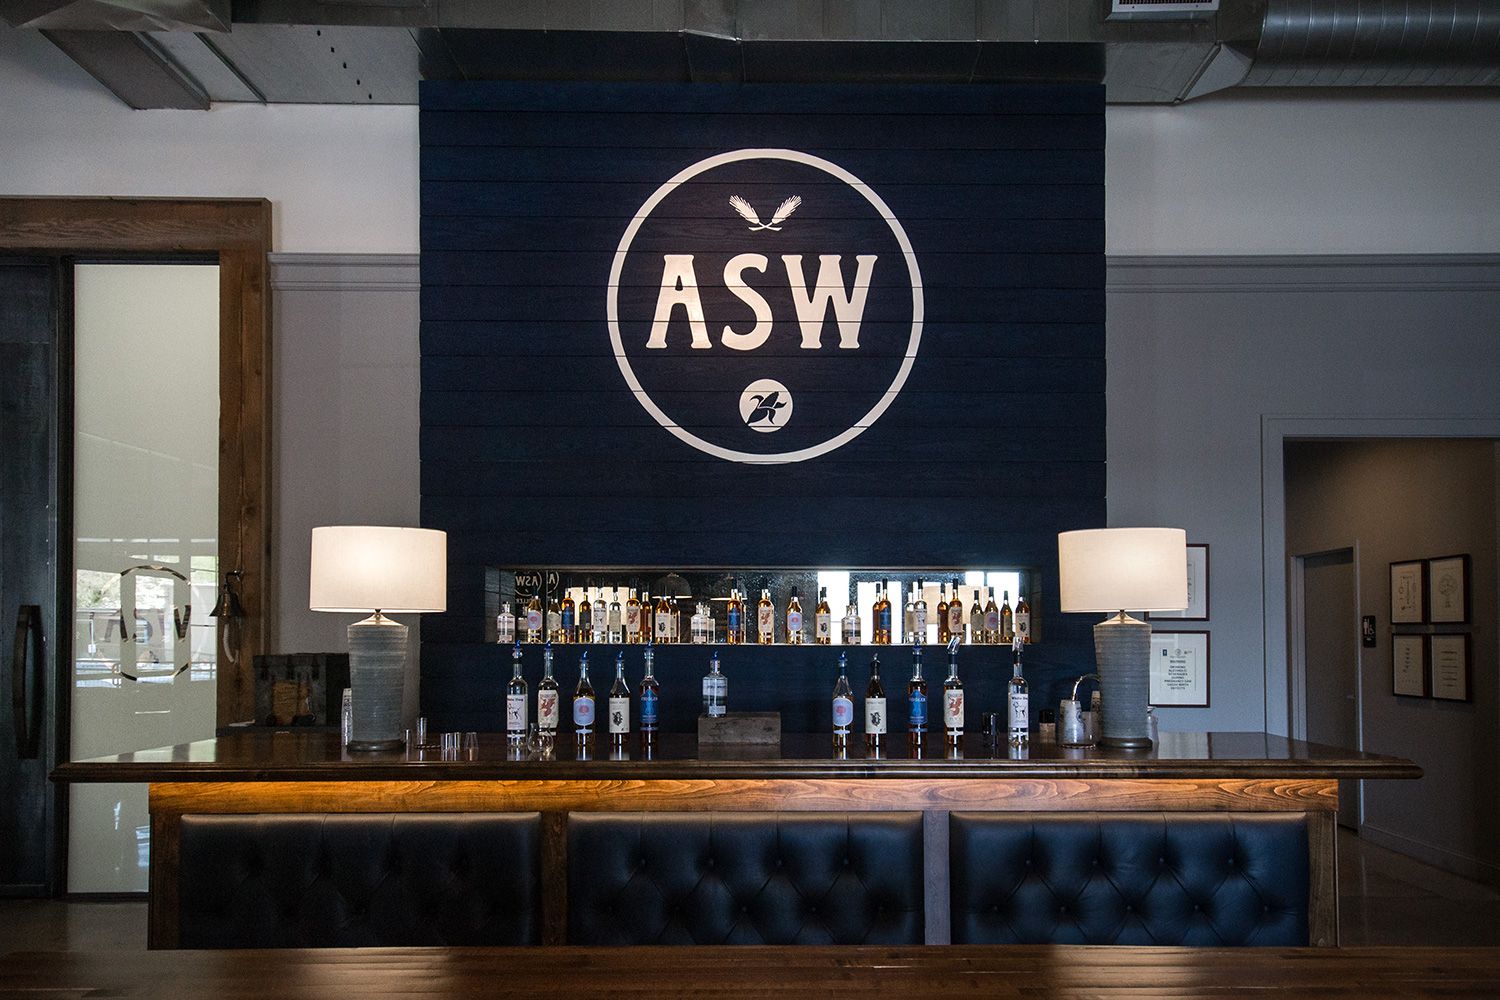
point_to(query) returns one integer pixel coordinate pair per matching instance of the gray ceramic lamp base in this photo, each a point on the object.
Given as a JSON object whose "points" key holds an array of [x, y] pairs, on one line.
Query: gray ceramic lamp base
{"points": [[377, 674], [1122, 648]]}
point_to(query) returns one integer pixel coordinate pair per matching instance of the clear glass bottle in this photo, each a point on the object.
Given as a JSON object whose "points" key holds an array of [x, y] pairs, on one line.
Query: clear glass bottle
{"points": [[919, 614], [734, 632], [715, 690], [956, 620], [916, 701], [909, 617], [953, 698], [1007, 621], [554, 624], [881, 612], [599, 627], [843, 705], [548, 698], [991, 619], [534, 619], [583, 702], [794, 619], [1023, 618], [616, 622], [695, 626], [505, 624], [942, 615], [875, 718], [650, 698], [516, 701], [765, 618], [1018, 704], [823, 620], [852, 626], [619, 706]]}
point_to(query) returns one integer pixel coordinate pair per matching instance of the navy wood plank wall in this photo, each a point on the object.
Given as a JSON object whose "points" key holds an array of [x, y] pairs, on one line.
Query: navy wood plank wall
{"points": [[536, 451]]}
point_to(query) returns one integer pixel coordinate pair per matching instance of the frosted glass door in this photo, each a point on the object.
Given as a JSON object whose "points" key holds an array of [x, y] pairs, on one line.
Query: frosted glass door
{"points": [[146, 553]]}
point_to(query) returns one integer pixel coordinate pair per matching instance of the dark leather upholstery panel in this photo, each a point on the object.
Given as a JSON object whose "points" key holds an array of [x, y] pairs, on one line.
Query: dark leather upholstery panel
{"points": [[1098, 878], [323, 880], [745, 878]]}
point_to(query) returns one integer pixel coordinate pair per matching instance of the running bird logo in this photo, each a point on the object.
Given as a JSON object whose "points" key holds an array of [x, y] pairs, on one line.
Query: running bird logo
{"points": [[748, 213], [766, 406]]}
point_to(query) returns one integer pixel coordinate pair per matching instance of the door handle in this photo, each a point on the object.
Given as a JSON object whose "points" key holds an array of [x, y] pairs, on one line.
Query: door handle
{"points": [[29, 639]]}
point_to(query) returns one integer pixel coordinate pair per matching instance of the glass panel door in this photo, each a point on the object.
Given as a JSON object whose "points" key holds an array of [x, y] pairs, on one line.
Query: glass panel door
{"points": [[146, 554]]}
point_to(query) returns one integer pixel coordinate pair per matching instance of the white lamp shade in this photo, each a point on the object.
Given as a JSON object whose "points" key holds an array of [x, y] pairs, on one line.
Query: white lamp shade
{"points": [[1118, 569], [364, 568]]}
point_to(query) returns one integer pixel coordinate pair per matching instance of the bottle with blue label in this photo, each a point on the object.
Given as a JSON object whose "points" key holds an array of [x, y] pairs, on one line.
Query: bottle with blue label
{"points": [[650, 698], [843, 705], [583, 703], [916, 700]]}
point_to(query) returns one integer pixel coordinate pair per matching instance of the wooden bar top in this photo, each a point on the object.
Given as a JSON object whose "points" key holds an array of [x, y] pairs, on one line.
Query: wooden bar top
{"points": [[743, 973], [315, 755]]}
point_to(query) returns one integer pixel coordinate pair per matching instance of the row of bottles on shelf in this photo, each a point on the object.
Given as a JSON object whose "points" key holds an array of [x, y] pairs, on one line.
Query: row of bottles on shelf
{"points": [[644, 707], [597, 618]]}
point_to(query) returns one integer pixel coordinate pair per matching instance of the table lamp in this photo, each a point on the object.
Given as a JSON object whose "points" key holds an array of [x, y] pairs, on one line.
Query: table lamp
{"points": [[1110, 570], [366, 568]]}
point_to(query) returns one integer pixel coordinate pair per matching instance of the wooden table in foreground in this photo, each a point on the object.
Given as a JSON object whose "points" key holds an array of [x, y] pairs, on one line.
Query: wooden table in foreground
{"points": [[262, 771], [1100, 973]]}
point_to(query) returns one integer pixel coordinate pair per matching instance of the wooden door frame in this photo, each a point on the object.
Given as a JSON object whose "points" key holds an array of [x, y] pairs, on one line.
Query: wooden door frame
{"points": [[238, 232]]}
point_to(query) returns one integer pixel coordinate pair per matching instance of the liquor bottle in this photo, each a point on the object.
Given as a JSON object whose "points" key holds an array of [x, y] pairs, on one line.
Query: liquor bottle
{"points": [[991, 619], [583, 702], [616, 618], [823, 620], [794, 619], [575, 622], [875, 719], [881, 612], [662, 630], [942, 615], [976, 618], [909, 618], [633, 619], [953, 698], [674, 620], [547, 698], [734, 633], [765, 618], [650, 698], [956, 614], [1018, 710], [916, 701], [1023, 618], [695, 626], [852, 636], [919, 615], [715, 689], [843, 706], [505, 624], [1007, 620], [648, 618], [534, 619], [619, 706], [515, 700], [600, 625]]}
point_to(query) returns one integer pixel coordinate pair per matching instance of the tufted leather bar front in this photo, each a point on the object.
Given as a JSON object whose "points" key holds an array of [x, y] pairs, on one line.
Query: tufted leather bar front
{"points": [[745, 878], [1207, 879], [325, 880]]}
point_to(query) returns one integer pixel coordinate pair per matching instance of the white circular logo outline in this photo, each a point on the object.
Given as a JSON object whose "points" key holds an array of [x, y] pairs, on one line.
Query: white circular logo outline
{"points": [[812, 451]]}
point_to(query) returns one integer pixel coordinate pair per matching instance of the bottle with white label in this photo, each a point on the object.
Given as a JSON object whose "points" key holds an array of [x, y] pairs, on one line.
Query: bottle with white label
{"points": [[794, 619], [619, 706], [534, 620], [548, 697], [715, 690], [875, 718], [908, 619], [1023, 618], [765, 618], [583, 703], [953, 697], [598, 625], [991, 619], [650, 699], [852, 625], [919, 615], [823, 620], [505, 625], [843, 705], [515, 701], [700, 624], [1018, 705], [616, 624]]}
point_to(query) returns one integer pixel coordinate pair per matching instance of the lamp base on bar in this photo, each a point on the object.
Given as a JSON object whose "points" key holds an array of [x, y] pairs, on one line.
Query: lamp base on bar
{"points": [[377, 674], [1122, 649]]}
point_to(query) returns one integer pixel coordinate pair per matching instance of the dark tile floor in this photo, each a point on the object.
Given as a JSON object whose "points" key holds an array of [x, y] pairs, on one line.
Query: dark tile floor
{"points": [[1385, 899]]}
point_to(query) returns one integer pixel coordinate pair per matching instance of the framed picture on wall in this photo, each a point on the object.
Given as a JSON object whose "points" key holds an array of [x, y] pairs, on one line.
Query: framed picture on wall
{"points": [[1448, 590], [1409, 665], [1197, 581], [1451, 666], [1408, 593], [1179, 669]]}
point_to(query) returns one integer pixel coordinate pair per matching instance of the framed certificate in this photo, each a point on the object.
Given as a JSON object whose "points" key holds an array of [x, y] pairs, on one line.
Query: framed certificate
{"points": [[1451, 666], [1448, 590], [1197, 587], [1408, 593], [1409, 665], [1179, 669]]}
